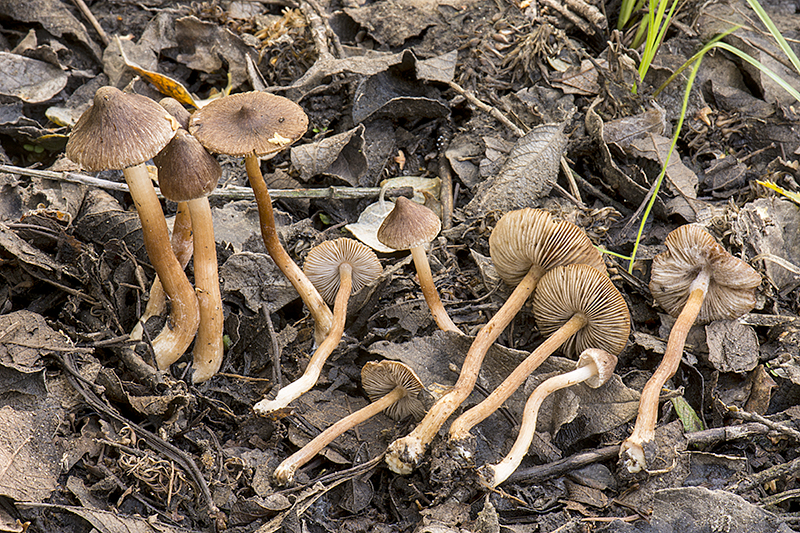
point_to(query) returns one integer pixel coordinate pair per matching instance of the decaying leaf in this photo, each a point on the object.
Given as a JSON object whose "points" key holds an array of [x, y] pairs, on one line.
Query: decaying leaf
{"points": [[340, 156], [35, 81], [732, 346], [527, 175], [255, 278]]}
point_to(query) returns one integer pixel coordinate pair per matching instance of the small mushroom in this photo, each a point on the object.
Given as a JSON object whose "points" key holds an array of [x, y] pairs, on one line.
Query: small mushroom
{"points": [[594, 368], [696, 280], [122, 131], [412, 226], [188, 173], [391, 386], [524, 245], [252, 125], [337, 268], [575, 306], [181, 237]]}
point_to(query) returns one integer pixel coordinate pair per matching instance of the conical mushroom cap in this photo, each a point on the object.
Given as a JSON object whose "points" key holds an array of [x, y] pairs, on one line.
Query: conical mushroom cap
{"points": [[119, 130], [604, 361], [248, 123], [176, 109], [528, 238], [731, 288], [186, 170], [378, 380], [322, 266], [409, 225], [580, 289]]}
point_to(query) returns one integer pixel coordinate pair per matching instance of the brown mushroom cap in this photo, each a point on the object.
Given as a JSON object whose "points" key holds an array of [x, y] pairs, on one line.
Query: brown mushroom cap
{"points": [[185, 169], [528, 238], [119, 130], [380, 378], [731, 288], [176, 109], [323, 261], [246, 123], [580, 289], [409, 225], [604, 361]]}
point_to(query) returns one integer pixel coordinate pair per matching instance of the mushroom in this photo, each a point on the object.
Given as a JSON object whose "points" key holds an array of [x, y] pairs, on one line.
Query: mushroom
{"points": [[188, 173], [391, 386], [122, 131], [336, 268], [412, 226], [252, 125], [594, 368], [697, 281], [575, 306], [181, 236], [524, 245]]}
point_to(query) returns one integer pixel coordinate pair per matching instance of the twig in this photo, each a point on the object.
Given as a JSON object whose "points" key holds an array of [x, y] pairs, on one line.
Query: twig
{"points": [[229, 192], [712, 436], [276, 350], [536, 474], [93, 21], [493, 111], [734, 412]]}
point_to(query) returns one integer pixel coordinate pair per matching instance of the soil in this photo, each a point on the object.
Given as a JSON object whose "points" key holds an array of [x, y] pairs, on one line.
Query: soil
{"points": [[488, 107]]}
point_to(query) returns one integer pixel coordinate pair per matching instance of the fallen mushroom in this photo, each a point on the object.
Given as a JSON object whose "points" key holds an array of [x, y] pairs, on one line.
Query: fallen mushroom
{"points": [[391, 386], [337, 268], [594, 368], [412, 226], [575, 306], [122, 131], [524, 245], [181, 237], [697, 281], [252, 125], [188, 173]]}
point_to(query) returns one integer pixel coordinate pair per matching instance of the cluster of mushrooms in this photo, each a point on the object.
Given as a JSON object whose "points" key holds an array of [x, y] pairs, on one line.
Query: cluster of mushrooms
{"points": [[552, 264]]}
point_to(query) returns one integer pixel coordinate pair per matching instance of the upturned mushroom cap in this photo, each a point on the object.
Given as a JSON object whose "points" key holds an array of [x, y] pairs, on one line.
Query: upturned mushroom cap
{"points": [[731, 288], [409, 225], [378, 380], [604, 361], [185, 169], [248, 123], [176, 109], [119, 130], [528, 238], [580, 289], [323, 261]]}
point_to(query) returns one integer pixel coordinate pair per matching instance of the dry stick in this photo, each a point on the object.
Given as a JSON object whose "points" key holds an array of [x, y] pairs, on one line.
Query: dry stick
{"points": [[632, 449], [286, 470], [182, 246], [93, 21], [319, 309], [298, 387], [462, 425], [404, 452], [228, 192], [446, 193]]}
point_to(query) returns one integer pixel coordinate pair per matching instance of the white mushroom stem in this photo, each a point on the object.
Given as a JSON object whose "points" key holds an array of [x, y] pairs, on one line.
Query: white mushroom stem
{"points": [[496, 474], [429, 290], [208, 345], [632, 449], [462, 425], [182, 248], [284, 474], [309, 378], [174, 339], [405, 453], [323, 318]]}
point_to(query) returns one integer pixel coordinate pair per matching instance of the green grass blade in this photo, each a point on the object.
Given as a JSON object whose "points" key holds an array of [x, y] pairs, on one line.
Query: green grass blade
{"points": [[776, 34], [760, 66]]}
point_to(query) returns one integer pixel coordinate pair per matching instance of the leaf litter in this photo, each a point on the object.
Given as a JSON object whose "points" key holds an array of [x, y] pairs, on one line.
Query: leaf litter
{"points": [[394, 89]]}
